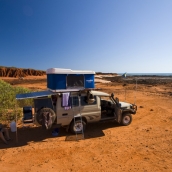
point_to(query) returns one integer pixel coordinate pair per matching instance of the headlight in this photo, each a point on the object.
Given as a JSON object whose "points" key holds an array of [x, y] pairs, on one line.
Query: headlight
{"points": [[133, 107]]}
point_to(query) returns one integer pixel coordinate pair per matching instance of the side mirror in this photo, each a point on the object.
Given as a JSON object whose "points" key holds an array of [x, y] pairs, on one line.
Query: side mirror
{"points": [[117, 100], [90, 98]]}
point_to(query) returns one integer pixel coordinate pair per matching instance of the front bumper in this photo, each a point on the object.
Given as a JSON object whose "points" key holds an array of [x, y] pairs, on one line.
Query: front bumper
{"points": [[133, 108]]}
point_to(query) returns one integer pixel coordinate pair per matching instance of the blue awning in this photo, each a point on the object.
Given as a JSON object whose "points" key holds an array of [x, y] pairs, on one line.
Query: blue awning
{"points": [[45, 93], [35, 94]]}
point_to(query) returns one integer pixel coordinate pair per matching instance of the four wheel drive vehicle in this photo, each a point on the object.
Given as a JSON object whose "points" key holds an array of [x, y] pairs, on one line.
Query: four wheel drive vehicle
{"points": [[83, 108]]}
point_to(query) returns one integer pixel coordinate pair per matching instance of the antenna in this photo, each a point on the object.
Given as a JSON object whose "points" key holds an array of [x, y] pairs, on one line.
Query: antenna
{"points": [[124, 76], [135, 91]]}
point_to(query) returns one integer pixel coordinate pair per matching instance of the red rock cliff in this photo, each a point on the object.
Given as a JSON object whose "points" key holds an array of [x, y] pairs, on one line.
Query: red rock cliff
{"points": [[18, 72]]}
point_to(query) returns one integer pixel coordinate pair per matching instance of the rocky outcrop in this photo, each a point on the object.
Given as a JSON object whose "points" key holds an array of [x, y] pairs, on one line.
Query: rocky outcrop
{"points": [[19, 72]]}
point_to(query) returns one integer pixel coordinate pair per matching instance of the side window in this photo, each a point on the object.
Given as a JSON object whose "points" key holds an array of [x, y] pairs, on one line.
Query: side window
{"points": [[84, 101], [106, 102], [42, 103], [74, 101], [75, 80]]}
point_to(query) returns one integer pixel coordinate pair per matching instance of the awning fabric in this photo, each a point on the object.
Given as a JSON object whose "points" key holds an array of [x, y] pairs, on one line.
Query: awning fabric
{"points": [[34, 94], [45, 93]]}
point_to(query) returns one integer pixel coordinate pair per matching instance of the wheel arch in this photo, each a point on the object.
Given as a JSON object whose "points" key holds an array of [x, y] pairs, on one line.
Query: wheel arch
{"points": [[128, 111], [76, 118]]}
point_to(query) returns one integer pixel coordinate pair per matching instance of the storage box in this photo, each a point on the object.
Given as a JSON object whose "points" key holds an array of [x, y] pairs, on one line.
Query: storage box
{"points": [[67, 79]]}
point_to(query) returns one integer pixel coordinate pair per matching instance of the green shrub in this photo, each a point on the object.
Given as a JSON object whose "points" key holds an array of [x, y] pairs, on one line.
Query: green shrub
{"points": [[9, 106]]}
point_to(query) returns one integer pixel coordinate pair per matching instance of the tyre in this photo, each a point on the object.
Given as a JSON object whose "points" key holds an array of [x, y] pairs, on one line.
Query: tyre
{"points": [[126, 119], [46, 117], [78, 126]]}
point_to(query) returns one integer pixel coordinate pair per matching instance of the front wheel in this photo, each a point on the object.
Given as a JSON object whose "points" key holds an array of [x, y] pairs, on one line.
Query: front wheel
{"points": [[126, 119], [78, 126]]}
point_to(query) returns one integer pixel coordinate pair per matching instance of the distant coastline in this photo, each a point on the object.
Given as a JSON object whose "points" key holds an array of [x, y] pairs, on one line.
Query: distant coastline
{"points": [[148, 74]]}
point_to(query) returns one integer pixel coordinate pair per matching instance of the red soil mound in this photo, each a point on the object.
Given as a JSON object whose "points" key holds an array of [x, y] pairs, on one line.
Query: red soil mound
{"points": [[18, 72]]}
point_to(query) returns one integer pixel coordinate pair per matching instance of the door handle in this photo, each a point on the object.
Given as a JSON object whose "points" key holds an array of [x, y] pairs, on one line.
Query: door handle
{"points": [[64, 114]]}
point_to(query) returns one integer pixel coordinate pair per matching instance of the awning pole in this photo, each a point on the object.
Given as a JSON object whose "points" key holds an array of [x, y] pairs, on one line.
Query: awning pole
{"points": [[16, 125]]}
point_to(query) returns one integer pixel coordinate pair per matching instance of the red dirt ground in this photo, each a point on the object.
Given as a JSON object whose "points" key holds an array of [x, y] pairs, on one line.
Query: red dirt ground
{"points": [[145, 145]]}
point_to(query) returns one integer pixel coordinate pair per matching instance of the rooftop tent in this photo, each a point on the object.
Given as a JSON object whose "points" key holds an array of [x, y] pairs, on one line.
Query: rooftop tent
{"points": [[63, 80], [67, 79]]}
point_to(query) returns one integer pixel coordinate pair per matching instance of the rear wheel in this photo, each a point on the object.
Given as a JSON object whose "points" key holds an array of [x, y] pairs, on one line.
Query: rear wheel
{"points": [[126, 119], [78, 126]]}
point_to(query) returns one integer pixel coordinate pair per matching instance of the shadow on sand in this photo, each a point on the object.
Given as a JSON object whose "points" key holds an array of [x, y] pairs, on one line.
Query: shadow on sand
{"points": [[37, 134]]}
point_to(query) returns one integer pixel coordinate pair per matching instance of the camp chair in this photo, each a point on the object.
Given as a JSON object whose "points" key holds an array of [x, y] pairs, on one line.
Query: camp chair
{"points": [[27, 115]]}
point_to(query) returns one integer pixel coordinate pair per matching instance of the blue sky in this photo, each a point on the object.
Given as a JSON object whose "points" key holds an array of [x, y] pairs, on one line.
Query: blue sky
{"points": [[133, 36]]}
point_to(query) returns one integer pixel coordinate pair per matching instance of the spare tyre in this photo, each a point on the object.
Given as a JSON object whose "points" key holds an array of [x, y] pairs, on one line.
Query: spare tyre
{"points": [[46, 117]]}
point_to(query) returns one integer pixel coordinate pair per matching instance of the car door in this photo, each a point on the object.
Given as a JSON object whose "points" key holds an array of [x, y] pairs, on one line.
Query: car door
{"points": [[91, 111]]}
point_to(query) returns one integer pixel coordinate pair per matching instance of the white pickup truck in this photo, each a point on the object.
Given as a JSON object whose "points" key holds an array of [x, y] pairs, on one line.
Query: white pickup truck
{"points": [[85, 107]]}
